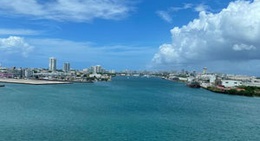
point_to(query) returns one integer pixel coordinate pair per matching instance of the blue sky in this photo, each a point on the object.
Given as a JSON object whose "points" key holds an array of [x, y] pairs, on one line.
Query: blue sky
{"points": [[222, 35]]}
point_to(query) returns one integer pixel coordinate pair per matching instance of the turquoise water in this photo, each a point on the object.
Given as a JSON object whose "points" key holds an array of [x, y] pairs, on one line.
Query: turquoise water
{"points": [[134, 109]]}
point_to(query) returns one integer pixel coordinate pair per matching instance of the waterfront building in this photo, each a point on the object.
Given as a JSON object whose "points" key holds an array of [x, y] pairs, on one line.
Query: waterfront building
{"points": [[240, 77], [28, 73], [231, 83], [95, 75], [52, 64], [254, 83], [66, 67]]}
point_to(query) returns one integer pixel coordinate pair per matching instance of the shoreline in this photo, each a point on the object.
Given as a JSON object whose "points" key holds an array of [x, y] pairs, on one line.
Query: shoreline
{"points": [[31, 82], [248, 91]]}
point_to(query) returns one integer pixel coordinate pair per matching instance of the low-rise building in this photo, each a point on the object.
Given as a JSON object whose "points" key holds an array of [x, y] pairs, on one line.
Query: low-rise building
{"points": [[253, 82], [231, 83]]}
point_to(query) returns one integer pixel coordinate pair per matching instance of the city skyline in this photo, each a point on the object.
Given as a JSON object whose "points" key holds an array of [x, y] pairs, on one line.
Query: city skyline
{"points": [[135, 35]]}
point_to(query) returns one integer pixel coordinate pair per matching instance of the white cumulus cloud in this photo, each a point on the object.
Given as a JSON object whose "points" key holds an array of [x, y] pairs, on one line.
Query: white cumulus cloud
{"points": [[230, 35], [14, 45], [67, 10]]}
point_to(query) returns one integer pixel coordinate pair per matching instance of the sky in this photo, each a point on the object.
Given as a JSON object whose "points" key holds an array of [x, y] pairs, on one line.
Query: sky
{"points": [[222, 35]]}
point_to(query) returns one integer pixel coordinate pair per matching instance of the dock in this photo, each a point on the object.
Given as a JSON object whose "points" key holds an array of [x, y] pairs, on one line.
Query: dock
{"points": [[32, 82]]}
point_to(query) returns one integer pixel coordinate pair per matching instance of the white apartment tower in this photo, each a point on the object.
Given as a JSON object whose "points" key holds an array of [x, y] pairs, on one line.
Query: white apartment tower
{"points": [[52, 64], [204, 70], [66, 67], [96, 69]]}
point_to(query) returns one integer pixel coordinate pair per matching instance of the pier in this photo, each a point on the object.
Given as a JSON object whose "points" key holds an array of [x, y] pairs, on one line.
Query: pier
{"points": [[32, 82]]}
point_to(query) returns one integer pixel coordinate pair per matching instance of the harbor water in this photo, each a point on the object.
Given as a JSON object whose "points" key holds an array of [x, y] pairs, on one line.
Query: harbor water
{"points": [[125, 109]]}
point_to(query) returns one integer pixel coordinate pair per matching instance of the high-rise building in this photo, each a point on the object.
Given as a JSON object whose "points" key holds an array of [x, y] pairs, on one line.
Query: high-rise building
{"points": [[66, 67], [52, 64], [96, 69], [204, 70]]}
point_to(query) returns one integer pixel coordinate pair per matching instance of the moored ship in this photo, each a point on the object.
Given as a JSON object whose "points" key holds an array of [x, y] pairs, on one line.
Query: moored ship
{"points": [[194, 84]]}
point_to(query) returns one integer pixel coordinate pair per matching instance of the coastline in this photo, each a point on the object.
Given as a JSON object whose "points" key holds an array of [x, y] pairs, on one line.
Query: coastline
{"points": [[249, 91], [32, 82], [240, 91]]}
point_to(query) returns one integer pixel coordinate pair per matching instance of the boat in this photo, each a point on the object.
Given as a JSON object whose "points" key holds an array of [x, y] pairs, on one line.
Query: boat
{"points": [[194, 84]]}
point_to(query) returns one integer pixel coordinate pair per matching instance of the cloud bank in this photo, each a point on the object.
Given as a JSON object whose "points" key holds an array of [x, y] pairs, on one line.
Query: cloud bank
{"points": [[14, 45], [67, 10], [230, 35]]}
